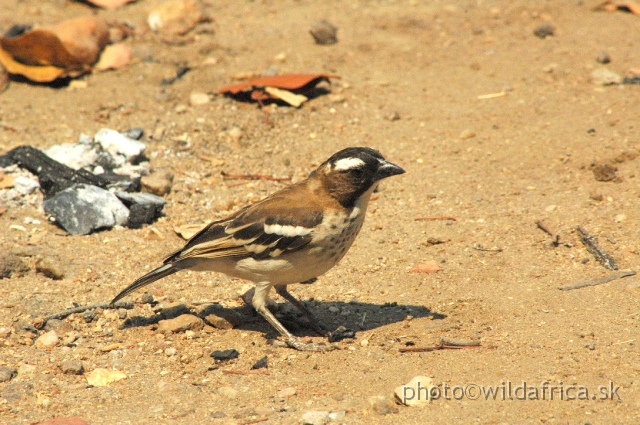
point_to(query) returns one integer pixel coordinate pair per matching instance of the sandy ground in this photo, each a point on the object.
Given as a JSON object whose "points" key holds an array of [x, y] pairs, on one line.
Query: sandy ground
{"points": [[496, 164]]}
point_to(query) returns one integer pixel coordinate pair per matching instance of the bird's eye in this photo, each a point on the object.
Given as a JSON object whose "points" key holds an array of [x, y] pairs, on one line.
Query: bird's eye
{"points": [[357, 172]]}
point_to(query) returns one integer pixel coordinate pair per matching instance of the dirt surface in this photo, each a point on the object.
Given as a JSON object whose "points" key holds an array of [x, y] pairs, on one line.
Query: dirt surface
{"points": [[413, 80]]}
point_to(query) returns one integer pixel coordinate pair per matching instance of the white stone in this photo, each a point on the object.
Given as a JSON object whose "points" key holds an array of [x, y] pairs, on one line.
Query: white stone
{"points": [[315, 417], [118, 144], [415, 392], [76, 156]]}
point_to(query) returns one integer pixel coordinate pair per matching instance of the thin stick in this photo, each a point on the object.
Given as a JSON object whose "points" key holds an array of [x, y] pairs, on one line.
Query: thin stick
{"points": [[254, 177], [554, 236], [598, 281], [459, 342], [591, 244], [435, 348], [120, 304], [435, 217]]}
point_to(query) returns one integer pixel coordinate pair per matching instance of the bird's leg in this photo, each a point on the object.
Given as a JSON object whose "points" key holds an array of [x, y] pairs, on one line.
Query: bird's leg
{"points": [[313, 320], [259, 303]]}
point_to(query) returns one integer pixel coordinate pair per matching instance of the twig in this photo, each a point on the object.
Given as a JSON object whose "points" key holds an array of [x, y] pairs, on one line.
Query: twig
{"points": [[591, 244], [436, 348], [554, 236], [598, 281], [254, 177], [120, 304], [459, 342], [479, 247], [435, 217]]}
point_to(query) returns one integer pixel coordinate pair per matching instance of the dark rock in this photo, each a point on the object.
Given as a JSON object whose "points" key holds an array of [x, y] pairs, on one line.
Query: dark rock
{"points": [[544, 30], [263, 363], [224, 355], [6, 374], [144, 208], [72, 367], [604, 172], [340, 334], [88, 316], [147, 299], [82, 209], [134, 133], [12, 266], [323, 32]]}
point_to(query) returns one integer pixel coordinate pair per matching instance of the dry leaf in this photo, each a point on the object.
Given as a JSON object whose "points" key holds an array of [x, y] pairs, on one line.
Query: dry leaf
{"points": [[186, 231], [176, 17], [624, 6], [114, 56], [289, 97], [428, 267], [292, 82], [45, 54], [102, 377], [6, 181], [109, 4]]}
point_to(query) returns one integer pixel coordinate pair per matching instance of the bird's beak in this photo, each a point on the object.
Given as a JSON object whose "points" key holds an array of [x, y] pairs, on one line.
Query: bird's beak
{"points": [[387, 169]]}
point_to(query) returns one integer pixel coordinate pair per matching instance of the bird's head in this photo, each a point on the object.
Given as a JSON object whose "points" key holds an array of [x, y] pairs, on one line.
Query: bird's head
{"points": [[350, 173]]}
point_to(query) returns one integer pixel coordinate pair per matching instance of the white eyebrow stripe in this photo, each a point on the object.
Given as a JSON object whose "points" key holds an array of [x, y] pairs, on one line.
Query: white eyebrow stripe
{"points": [[348, 163], [289, 231]]}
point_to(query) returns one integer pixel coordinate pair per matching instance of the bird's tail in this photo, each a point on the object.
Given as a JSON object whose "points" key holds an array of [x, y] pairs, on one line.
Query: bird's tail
{"points": [[152, 276]]}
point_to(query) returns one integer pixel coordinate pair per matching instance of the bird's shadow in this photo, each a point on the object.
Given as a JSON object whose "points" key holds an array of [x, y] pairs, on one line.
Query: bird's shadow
{"points": [[356, 316]]}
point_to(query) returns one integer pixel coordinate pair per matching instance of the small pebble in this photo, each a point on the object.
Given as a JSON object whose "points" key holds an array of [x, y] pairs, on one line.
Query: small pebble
{"points": [[235, 133], [199, 99], [605, 77], [620, 218], [185, 322], [287, 392], [323, 32], [26, 369], [88, 316], [218, 415], [337, 415], [263, 363], [544, 30], [158, 183], [315, 417], [243, 413], [394, 116], [603, 58], [12, 266], [382, 405], [228, 392], [50, 268], [171, 351], [134, 133], [47, 340], [6, 374], [147, 299], [72, 367], [467, 134], [224, 355], [409, 394]]}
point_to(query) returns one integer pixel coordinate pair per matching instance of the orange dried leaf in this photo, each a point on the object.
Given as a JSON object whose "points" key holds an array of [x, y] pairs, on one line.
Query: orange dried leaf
{"points": [[109, 4], [624, 6], [291, 82], [428, 267], [114, 56], [48, 53]]}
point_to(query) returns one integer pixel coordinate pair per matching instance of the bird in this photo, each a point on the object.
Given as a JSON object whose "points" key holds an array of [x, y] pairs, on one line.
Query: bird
{"points": [[292, 236]]}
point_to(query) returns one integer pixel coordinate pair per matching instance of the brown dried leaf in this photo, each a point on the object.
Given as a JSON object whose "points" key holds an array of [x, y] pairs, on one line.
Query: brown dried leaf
{"points": [[291, 82], [624, 6], [176, 17], [109, 4], [114, 56], [48, 53], [428, 267]]}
